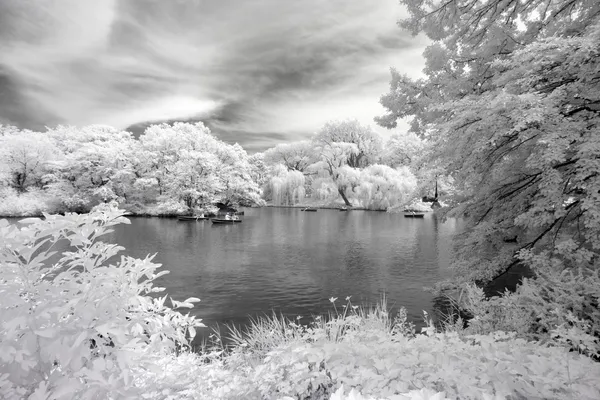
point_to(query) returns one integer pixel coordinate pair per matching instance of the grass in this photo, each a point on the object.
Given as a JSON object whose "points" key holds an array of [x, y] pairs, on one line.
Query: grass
{"points": [[267, 332]]}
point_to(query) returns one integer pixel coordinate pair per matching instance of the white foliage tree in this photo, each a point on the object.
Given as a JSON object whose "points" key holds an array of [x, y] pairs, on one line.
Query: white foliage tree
{"points": [[287, 187], [511, 103], [381, 187]]}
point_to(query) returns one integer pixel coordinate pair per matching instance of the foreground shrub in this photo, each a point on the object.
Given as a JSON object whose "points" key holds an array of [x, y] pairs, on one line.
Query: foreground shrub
{"points": [[74, 319], [359, 355], [556, 307]]}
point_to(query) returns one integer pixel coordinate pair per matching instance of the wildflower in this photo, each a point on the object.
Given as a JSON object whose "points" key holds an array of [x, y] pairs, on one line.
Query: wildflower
{"points": [[298, 318], [348, 298], [318, 318], [354, 307], [332, 299]]}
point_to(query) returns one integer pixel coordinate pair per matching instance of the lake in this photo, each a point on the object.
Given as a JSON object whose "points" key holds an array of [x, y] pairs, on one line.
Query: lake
{"points": [[292, 262]]}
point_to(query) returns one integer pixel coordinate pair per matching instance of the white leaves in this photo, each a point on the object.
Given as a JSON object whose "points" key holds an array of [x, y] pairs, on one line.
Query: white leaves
{"points": [[188, 303], [46, 333], [192, 300], [82, 316], [41, 392]]}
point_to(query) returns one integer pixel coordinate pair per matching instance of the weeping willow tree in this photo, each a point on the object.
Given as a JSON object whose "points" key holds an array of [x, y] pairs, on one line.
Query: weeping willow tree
{"points": [[286, 186], [381, 187]]}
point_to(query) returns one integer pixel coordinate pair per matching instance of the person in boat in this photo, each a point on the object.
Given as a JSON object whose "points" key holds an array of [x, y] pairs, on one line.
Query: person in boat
{"points": [[235, 217], [227, 217]]}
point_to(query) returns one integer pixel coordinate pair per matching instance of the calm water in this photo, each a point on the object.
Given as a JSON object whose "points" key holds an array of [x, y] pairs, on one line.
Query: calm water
{"points": [[291, 261]]}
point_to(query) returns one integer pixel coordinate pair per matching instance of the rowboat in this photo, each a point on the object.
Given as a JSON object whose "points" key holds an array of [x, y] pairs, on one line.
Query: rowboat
{"points": [[414, 215], [309, 209], [225, 221], [191, 218], [344, 209]]}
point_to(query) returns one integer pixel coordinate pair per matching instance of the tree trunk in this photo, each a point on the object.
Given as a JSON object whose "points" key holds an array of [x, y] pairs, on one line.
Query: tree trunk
{"points": [[341, 191]]}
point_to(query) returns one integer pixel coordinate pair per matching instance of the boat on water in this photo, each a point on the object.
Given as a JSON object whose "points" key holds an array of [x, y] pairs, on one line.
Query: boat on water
{"points": [[309, 209], [344, 209], [191, 218], [225, 221], [414, 215]]}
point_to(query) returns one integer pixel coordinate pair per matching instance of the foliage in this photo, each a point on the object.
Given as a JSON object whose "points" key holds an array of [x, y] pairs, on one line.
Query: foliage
{"points": [[366, 143], [343, 148], [375, 357], [510, 104], [74, 319], [78, 168], [286, 186], [402, 149], [296, 156], [97, 166], [381, 187], [26, 157], [30, 203]]}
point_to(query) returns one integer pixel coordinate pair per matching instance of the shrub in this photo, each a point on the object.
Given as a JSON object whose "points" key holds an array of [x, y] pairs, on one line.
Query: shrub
{"points": [[374, 357], [74, 319], [31, 203]]}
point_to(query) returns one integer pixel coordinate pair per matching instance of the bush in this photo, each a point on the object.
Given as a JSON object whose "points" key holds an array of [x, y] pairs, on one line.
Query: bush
{"points": [[75, 325], [359, 355], [31, 203], [559, 307]]}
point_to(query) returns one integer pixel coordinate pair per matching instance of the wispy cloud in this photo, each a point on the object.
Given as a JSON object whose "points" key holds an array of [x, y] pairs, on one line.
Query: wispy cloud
{"points": [[257, 72]]}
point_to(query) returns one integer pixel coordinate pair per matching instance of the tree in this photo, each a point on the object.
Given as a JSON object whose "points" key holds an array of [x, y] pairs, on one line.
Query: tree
{"points": [[286, 186], [367, 142], [26, 157], [98, 166], [402, 149], [345, 144], [381, 187], [511, 103], [296, 156], [259, 170], [189, 165], [334, 160]]}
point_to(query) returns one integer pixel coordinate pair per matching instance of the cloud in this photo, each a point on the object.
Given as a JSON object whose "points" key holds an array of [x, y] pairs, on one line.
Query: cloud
{"points": [[247, 69]]}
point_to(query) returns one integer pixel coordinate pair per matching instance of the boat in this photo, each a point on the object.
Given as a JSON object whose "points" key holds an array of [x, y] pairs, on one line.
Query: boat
{"points": [[414, 215], [225, 221], [191, 218], [309, 209], [344, 209]]}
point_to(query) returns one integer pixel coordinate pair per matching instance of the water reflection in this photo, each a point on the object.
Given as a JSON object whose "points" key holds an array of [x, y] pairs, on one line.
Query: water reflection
{"points": [[292, 261]]}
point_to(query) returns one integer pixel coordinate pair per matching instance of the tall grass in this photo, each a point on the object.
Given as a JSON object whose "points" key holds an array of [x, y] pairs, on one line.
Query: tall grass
{"points": [[267, 332]]}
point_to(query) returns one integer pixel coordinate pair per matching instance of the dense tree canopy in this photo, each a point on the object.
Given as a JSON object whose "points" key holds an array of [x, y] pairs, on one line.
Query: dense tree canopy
{"points": [[344, 160], [296, 156], [511, 103], [170, 169]]}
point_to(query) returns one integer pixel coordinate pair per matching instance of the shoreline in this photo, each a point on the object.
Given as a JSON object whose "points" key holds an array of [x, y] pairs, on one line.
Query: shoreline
{"points": [[421, 208]]}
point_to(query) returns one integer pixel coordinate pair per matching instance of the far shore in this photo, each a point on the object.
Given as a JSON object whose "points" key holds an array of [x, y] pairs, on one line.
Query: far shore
{"points": [[415, 206]]}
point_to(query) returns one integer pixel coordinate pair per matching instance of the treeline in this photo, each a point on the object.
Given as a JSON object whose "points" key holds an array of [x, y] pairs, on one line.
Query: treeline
{"points": [[168, 170], [346, 162], [183, 168]]}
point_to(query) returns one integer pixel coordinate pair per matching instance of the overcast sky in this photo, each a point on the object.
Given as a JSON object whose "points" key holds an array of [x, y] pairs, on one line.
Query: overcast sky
{"points": [[258, 72]]}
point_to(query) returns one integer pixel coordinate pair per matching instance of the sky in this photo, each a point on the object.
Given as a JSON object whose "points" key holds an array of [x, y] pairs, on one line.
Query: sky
{"points": [[257, 72]]}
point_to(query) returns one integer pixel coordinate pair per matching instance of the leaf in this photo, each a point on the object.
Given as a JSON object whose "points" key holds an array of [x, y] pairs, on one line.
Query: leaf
{"points": [[29, 221], [191, 300], [47, 333]]}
